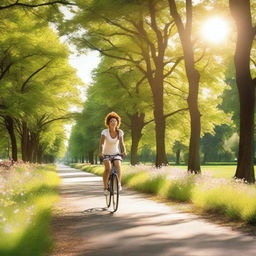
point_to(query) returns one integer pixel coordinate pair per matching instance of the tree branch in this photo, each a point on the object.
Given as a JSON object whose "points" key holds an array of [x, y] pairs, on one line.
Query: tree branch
{"points": [[150, 121], [5, 70], [176, 16], [17, 3], [188, 26], [139, 83], [173, 67], [102, 51], [154, 23], [201, 55], [175, 87], [56, 119], [32, 75], [142, 31], [175, 112], [120, 82]]}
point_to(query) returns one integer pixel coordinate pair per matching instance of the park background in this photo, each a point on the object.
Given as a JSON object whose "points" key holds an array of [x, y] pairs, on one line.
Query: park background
{"points": [[181, 74]]}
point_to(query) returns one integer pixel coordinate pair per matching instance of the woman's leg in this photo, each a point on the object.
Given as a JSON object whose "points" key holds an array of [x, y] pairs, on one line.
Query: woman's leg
{"points": [[117, 164], [106, 173]]}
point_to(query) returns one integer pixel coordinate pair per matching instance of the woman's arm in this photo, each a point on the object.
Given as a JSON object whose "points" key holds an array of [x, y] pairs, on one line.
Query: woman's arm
{"points": [[102, 140], [122, 146]]}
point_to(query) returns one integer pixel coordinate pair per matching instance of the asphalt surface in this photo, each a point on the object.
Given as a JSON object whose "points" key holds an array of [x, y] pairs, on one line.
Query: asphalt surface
{"points": [[83, 226]]}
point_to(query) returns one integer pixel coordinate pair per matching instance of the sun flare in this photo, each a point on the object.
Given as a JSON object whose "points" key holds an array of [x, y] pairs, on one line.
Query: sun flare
{"points": [[215, 30]]}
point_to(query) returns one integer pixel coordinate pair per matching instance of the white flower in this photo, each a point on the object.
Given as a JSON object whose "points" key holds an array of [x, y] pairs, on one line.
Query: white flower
{"points": [[16, 210]]}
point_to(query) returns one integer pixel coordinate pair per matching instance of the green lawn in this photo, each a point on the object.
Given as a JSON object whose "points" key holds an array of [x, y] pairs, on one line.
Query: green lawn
{"points": [[215, 169]]}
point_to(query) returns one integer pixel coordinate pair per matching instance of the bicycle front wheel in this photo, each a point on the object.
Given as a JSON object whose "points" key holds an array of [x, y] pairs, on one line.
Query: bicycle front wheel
{"points": [[115, 190], [109, 195]]}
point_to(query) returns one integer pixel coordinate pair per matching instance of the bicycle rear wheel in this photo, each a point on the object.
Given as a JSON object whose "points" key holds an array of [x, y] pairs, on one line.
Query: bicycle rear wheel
{"points": [[115, 190]]}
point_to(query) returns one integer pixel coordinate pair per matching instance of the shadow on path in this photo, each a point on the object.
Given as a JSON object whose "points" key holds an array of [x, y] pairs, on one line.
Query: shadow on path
{"points": [[140, 227]]}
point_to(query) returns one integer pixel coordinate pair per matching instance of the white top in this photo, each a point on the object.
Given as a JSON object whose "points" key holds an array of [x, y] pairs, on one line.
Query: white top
{"points": [[111, 146]]}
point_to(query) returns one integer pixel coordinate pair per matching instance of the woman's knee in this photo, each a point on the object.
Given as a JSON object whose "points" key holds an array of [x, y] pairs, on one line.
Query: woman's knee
{"points": [[117, 164], [107, 169]]}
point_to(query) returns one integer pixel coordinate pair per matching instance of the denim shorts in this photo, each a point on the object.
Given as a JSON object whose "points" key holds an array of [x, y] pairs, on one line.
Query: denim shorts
{"points": [[112, 157]]}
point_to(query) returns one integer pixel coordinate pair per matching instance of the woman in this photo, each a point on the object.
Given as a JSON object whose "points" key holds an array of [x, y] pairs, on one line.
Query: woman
{"points": [[112, 144]]}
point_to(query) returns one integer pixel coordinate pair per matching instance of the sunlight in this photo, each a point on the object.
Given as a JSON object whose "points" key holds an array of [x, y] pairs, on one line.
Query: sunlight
{"points": [[215, 30]]}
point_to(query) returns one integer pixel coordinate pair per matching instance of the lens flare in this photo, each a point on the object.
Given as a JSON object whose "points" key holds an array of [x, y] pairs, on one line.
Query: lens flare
{"points": [[215, 30]]}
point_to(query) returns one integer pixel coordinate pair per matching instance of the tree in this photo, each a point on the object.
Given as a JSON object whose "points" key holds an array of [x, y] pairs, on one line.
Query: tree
{"points": [[177, 148], [128, 94], [39, 86], [144, 44], [213, 145], [241, 13]]}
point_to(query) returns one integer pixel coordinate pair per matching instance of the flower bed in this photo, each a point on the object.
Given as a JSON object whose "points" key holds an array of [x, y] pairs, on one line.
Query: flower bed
{"points": [[27, 193], [232, 198]]}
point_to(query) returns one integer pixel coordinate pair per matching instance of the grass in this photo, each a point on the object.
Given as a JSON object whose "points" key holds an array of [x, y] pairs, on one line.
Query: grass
{"points": [[233, 199], [27, 195]]}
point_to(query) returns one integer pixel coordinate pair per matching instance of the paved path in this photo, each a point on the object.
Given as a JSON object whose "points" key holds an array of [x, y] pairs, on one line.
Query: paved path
{"points": [[140, 227]]}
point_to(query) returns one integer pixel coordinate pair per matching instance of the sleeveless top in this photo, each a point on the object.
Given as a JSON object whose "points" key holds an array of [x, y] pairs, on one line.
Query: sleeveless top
{"points": [[111, 146]]}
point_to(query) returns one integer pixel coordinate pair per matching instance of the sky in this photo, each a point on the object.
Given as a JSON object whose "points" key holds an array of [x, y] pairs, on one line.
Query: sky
{"points": [[83, 63]]}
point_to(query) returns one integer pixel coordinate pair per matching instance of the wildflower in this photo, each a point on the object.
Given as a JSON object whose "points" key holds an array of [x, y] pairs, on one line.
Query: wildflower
{"points": [[8, 228], [16, 211]]}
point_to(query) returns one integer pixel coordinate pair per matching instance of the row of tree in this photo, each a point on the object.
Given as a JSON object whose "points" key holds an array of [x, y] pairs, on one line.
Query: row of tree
{"points": [[37, 85], [156, 40]]}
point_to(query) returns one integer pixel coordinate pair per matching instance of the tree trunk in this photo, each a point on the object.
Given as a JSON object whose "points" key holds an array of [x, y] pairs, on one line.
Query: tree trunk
{"points": [[205, 157], [193, 76], [161, 158], [34, 147], [90, 156], [24, 142], [240, 10], [9, 123], [245, 168], [195, 126], [155, 77], [178, 156], [29, 148], [137, 124], [40, 154]]}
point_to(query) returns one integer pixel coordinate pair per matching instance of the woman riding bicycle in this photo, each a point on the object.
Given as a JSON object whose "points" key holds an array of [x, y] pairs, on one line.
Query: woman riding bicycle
{"points": [[111, 147]]}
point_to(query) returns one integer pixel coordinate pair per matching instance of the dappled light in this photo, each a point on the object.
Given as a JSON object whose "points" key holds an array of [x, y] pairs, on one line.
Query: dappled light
{"points": [[154, 102]]}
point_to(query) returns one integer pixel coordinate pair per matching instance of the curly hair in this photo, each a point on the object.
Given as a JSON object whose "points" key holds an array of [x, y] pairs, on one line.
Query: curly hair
{"points": [[112, 115]]}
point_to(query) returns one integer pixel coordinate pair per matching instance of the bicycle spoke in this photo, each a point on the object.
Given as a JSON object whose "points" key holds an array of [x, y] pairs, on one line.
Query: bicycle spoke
{"points": [[115, 193], [109, 195]]}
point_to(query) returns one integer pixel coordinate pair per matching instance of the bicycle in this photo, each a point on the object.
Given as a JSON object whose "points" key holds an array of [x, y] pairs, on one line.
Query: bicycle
{"points": [[113, 187]]}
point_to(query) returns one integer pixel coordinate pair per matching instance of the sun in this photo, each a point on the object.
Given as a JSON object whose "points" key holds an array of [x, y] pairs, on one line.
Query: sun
{"points": [[215, 30]]}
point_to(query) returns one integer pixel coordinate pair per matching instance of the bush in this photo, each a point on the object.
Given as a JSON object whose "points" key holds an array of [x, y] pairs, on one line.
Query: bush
{"points": [[181, 189]]}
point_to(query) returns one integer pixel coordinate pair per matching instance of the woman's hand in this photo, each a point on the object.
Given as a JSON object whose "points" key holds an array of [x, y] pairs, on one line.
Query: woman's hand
{"points": [[124, 154], [100, 155]]}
